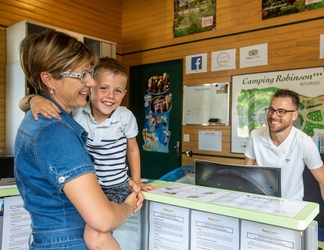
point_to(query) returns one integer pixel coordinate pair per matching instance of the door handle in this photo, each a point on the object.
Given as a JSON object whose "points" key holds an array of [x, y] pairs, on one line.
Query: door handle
{"points": [[177, 147]]}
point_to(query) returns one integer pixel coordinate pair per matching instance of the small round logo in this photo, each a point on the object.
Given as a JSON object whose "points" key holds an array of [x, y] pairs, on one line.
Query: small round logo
{"points": [[223, 59]]}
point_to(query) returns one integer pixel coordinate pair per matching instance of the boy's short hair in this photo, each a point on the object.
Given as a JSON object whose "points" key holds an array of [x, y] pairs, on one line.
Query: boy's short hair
{"points": [[110, 64], [283, 93]]}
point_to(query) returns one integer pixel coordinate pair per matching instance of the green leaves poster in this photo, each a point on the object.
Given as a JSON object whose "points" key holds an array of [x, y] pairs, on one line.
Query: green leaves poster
{"points": [[193, 16]]}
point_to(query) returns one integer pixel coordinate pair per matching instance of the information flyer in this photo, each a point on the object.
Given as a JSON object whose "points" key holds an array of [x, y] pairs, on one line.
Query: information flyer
{"points": [[257, 236], [191, 192], [16, 222], [131, 231], [212, 231], [169, 227], [262, 203]]}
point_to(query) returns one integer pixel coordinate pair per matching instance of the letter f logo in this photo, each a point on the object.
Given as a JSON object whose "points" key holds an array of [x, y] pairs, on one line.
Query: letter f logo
{"points": [[196, 63]]}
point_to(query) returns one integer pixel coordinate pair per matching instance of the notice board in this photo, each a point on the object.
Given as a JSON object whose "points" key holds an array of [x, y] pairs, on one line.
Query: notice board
{"points": [[204, 102]]}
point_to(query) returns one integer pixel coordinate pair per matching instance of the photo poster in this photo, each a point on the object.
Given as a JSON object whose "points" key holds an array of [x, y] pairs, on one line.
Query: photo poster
{"points": [[258, 236], [158, 105], [204, 102], [169, 227], [271, 9], [252, 93], [213, 231], [192, 17]]}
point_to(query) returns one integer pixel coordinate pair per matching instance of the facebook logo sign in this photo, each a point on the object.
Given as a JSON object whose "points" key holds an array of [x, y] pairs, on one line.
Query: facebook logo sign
{"points": [[196, 63]]}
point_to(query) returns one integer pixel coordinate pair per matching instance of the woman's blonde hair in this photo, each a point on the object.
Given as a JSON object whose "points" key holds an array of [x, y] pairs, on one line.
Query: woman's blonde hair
{"points": [[54, 52]]}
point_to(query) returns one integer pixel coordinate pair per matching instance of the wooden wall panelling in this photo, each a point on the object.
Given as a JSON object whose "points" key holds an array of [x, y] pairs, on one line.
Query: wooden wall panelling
{"points": [[2, 89], [187, 160], [289, 48], [142, 31], [97, 18]]}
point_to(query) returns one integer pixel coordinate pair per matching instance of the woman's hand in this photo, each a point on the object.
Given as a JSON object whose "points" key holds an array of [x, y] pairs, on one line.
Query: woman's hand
{"points": [[135, 200], [140, 198]]}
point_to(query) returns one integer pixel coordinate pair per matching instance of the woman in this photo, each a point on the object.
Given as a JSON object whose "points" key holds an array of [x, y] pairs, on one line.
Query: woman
{"points": [[53, 170]]}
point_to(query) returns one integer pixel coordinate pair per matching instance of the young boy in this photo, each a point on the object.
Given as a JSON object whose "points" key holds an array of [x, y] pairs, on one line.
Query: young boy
{"points": [[112, 129]]}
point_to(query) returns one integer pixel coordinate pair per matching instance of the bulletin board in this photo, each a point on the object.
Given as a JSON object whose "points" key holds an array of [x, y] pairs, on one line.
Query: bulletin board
{"points": [[204, 102]]}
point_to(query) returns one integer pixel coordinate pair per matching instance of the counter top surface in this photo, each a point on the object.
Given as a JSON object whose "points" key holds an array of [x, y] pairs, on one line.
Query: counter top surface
{"points": [[273, 210]]}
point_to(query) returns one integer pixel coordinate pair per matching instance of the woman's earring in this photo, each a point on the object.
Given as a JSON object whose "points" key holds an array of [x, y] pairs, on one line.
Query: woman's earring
{"points": [[51, 91]]}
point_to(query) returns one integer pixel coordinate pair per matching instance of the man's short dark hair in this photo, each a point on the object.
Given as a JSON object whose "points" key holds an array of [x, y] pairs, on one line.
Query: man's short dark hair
{"points": [[283, 93]]}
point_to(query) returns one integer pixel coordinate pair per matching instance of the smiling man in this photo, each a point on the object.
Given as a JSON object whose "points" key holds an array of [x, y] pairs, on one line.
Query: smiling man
{"points": [[282, 145]]}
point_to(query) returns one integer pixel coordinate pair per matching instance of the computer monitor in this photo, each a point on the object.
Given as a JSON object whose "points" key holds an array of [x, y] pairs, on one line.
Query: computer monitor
{"points": [[6, 167], [249, 179]]}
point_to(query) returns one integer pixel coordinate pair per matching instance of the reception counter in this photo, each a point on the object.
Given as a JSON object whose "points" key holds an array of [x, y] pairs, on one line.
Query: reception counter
{"points": [[183, 216], [298, 222], [195, 212]]}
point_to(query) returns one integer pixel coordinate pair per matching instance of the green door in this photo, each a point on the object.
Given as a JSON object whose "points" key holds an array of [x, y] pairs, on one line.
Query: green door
{"points": [[159, 119]]}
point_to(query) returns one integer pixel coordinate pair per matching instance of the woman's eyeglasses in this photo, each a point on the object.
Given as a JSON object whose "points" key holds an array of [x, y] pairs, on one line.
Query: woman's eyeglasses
{"points": [[84, 76]]}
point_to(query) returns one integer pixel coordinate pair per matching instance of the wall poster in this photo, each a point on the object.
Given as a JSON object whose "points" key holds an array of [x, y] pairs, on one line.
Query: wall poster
{"points": [[192, 16], [252, 94], [276, 8], [158, 104]]}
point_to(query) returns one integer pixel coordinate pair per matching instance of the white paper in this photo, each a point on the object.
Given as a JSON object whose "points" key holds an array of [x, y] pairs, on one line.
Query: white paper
{"points": [[255, 55], [210, 140], [223, 60], [16, 221], [169, 227], [321, 46], [261, 203], [213, 231], [219, 107], [257, 236], [189, 192], [307, 2], [129, 234]]}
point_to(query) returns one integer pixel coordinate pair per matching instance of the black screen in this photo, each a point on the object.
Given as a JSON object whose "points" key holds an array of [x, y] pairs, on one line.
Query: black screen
{"points": [[249, 179], [6, 166]]}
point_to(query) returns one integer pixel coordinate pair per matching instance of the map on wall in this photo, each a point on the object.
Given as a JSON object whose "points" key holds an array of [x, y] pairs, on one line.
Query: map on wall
{"points": [[276, 8], [252, 94]]}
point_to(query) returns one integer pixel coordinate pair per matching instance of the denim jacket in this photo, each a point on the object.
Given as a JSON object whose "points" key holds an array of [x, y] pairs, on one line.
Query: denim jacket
{"points": [[49, 153]]}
